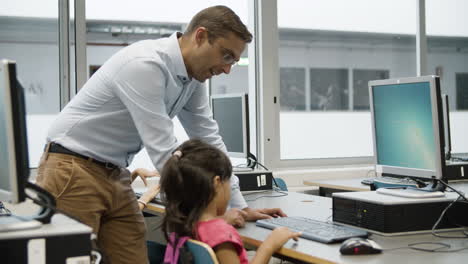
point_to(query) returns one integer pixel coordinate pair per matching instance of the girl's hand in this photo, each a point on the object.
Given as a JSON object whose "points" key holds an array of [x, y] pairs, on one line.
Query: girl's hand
{"points": [[280, 236], [143, 174]]}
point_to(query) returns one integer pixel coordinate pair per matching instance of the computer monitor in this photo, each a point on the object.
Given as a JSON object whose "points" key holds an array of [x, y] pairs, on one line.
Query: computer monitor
{"points": [[407, 127], [446, 115], [14, 162], [231, 113]]}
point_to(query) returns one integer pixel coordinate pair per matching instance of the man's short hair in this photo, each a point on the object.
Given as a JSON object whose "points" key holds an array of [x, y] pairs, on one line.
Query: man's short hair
{"points": [[219, 21]]}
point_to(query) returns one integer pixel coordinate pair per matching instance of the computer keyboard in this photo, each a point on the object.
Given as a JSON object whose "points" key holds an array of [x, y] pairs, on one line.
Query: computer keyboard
{"points": [[390, 181], [312, 229], [459, 157]]}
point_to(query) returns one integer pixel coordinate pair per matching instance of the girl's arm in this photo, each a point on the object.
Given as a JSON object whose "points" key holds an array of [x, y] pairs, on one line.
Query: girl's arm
{"points": [[226, 253], [274, 241]]}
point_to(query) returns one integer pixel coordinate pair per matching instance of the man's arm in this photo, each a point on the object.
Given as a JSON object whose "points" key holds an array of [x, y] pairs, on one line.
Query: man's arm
{"points": [[140, 85]]}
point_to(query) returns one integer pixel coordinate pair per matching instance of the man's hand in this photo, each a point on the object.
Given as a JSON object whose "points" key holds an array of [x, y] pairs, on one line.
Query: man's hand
{"points": [[265, 213], [235, 217]]}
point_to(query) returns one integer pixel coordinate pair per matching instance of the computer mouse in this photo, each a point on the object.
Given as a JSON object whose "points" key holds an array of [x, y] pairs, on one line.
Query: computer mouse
{"points": [[358, 246]]}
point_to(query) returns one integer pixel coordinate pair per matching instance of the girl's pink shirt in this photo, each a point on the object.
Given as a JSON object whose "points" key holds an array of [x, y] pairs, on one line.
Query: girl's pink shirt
{"points": [[217, 231]]}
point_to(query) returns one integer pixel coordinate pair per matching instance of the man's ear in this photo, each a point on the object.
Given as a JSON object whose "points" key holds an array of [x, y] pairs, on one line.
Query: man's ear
{"points": [[201, 35]]}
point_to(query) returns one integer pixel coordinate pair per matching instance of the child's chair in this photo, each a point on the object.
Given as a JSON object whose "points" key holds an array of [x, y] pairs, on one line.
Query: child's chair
{"points": [[281, 184], [202, 253]]}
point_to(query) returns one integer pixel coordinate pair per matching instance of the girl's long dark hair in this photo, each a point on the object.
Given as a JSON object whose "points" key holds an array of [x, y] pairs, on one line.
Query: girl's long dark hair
{"points": [[187, 185]]}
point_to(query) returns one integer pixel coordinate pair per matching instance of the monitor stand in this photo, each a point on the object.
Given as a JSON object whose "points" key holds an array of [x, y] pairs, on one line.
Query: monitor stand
{"points": [[47, 209], [433, 189], [16, 223]]}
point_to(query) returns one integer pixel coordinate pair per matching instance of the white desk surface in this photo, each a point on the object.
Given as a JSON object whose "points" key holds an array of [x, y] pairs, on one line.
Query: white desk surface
{"points": [[320, 208], [354, 184], [60, 225], [349, 184]]}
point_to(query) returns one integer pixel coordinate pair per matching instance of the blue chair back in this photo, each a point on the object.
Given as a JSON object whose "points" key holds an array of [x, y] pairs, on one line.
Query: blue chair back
{"points": [[281, 184], [202, 253]]}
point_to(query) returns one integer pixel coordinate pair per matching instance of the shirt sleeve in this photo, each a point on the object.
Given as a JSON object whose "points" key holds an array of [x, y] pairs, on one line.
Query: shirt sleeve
{"points": [[216, 232], [197, 119], [140, 85]]}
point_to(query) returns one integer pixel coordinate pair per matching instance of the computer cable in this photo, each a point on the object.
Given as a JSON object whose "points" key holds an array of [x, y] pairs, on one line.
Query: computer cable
{"points": [[372, 176], [43, 199], [453, 189], [3, 210], [261, 165], [442, 247], [49, 206], [265, 196], [251, 161], [461, 198], [96, 255], [242, 166]]}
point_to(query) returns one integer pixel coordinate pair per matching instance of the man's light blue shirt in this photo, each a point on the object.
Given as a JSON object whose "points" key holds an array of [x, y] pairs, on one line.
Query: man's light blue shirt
{"points": [[129, 103]]}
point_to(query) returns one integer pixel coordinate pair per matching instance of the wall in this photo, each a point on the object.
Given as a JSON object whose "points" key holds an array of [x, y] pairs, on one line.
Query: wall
{"points": [[391, 16]]}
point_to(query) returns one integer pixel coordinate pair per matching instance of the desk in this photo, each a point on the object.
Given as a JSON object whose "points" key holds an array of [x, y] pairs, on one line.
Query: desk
{"points": [[64, 240], [328, 186], [320, 208]]}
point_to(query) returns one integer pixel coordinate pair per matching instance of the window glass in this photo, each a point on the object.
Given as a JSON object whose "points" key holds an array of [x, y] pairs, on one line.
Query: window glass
{"points": [[29, 36], [329, 89], [292, 89], [360, 88], [341, 45], [447, 57]]}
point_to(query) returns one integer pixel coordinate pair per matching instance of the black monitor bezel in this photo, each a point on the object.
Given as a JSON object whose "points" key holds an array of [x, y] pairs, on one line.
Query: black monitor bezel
{"points": [[20, 173]]}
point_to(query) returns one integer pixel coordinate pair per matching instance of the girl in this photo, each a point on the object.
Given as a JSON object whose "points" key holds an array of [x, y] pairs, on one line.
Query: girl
{"points": [[196, 191]]}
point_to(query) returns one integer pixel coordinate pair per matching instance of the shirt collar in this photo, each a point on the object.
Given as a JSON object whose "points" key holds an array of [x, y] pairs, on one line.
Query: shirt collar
{"points": [[176, 55]]}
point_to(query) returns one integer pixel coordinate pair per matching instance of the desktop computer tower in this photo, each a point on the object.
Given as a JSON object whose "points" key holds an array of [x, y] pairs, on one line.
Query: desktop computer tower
{"points": [[455, 170], [255, 180], [63, 241], [391, 215]]}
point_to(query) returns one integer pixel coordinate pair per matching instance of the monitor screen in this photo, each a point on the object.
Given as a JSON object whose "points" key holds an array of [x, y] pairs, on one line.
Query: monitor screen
{"points": [[406, 115], [14, 162], [231, 113]]}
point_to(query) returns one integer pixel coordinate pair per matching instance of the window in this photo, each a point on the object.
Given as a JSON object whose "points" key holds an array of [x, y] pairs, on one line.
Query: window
{"points": [[341, 45], [462, 91], [360, 88], [292, 89], [329, 89]]}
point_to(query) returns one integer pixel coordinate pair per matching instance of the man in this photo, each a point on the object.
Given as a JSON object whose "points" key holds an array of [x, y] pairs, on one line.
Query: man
{"points": [[128, 104]]}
